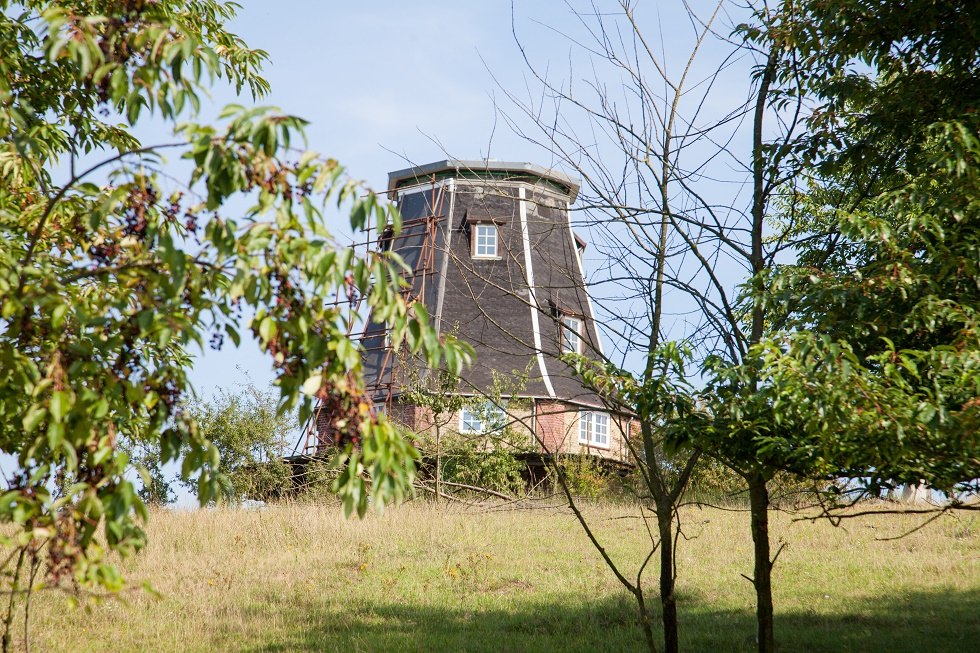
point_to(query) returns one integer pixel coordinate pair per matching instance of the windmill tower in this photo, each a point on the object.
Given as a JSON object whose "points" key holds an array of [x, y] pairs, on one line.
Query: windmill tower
{"points": [[494, 260]]}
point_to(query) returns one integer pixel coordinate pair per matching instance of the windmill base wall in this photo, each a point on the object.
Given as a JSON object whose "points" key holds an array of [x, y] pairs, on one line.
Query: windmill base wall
{"points": [[551, 426]]}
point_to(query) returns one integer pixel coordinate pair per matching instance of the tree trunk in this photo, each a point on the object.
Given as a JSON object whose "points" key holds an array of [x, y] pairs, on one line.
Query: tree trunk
{"points": [[759, 504], [668, 599], [8, 621], [438, 465], [645, 621], [758, 494]]}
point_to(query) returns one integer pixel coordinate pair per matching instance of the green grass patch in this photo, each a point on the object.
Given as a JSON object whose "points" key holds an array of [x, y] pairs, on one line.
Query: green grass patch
{"points": [[300, 578]]}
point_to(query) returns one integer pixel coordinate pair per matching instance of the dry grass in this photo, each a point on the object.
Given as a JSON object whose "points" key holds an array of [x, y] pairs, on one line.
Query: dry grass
{"points": [[300, 578]]}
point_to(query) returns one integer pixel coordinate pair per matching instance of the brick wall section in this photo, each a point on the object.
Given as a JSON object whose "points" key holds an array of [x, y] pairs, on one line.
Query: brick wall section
{"points": [[407, 415], [324, 430], [549, 424]]}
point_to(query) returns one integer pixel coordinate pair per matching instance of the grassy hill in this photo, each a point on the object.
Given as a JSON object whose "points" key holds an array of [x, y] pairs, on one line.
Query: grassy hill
{"points": [[418, 578]]}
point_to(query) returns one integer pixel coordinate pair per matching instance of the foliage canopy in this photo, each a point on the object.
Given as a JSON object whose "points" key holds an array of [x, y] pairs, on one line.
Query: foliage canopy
{"points": [[112, 269]]}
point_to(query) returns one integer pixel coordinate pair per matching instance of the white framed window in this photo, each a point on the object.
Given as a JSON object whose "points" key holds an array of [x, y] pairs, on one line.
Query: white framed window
{"points": [[485, 241], [571, 335], [593, 428], [483, 418]]}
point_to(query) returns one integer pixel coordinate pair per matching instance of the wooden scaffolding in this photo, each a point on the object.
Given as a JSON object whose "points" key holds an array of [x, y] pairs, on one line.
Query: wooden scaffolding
{"points": [[373, 338]]}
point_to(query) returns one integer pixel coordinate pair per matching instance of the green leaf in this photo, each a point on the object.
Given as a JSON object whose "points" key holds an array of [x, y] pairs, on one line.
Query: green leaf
{"points": [[60, 405], [34, 417], [267, 329], [313, 384]]}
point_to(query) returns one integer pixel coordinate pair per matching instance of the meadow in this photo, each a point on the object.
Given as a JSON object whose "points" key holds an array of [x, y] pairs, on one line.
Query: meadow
{"points": [[427, 578]]}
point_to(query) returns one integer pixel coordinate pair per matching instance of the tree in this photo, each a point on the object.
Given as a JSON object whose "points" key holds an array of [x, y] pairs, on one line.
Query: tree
{"points": [[251, 437], [437, 394], [866, 368], [884, 334], [481, 462], [110, 269], [659, 397], [849, 97], [687, 249]]}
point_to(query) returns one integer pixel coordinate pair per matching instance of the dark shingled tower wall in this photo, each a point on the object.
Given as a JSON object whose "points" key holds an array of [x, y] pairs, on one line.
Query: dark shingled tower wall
{"points": [[508, 307]]}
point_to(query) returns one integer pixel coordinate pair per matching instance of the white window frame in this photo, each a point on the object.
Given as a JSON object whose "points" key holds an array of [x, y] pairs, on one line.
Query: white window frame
{"points": [[571, 335], [482, 419], [593, 428], [469, 421], [491, 233]]}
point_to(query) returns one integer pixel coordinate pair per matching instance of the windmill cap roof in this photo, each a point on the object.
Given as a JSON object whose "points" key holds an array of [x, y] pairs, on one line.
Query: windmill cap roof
{"points": [[486, 168]]}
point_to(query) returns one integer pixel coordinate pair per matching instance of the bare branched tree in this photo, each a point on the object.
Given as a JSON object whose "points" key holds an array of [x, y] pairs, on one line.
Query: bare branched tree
{"points": [[681, 152]]}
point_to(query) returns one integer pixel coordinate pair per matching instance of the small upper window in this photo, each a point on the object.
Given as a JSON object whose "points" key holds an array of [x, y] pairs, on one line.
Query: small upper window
{"points": [[482, 418], [593, 428], [485, 241], [571, 335], [579, 249]]}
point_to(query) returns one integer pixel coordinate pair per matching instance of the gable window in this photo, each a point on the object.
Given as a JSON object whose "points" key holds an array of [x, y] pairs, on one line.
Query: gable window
{"points": [[579, 249], [387, 238], [593, 428], [571, 335], [485, 240], [483, 418]]}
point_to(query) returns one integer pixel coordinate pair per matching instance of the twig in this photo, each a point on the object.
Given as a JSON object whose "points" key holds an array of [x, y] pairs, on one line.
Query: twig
{"points": [[917, 528], [484, 490]]}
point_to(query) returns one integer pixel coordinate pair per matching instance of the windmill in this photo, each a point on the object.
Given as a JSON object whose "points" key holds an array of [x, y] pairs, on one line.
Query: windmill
{"points": [[490, 252]]}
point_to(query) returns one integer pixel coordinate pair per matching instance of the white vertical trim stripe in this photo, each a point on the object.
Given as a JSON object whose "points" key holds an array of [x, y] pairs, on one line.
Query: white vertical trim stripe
{"points": [[532, 296]]}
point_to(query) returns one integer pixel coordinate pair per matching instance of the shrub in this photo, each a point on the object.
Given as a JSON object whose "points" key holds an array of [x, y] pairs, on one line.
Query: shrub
{"points": [[712, 481], [586, 477], [251, 437], [262, 481], [486, 461], [314, 484]]}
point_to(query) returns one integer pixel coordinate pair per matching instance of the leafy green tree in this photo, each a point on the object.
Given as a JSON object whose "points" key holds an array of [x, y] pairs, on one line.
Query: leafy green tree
{"points": [[437, 394], [110, 270], [482, 461], [488, 460], [880, 366], [863, 358], [251, 436], [844, 92]]}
